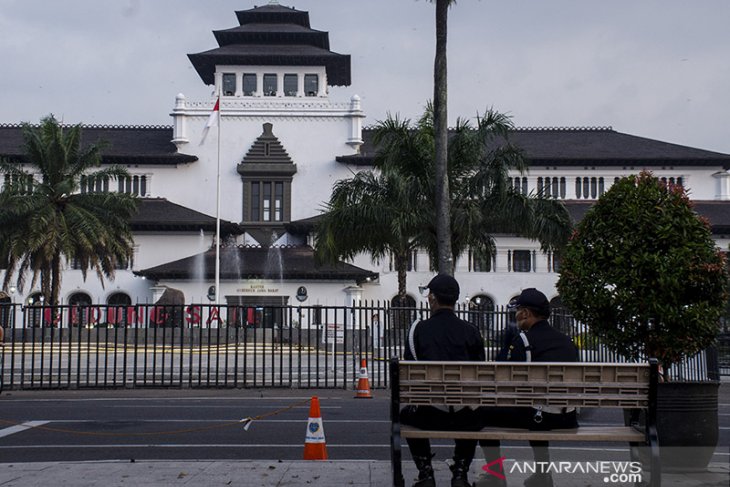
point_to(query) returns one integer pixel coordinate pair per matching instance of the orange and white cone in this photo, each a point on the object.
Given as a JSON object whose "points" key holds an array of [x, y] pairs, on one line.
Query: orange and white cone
{"points": [[363, 384], [315, 446]]}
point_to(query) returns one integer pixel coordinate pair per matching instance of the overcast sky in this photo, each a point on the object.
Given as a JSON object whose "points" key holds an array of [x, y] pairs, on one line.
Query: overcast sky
{"points": [[653, 68]]}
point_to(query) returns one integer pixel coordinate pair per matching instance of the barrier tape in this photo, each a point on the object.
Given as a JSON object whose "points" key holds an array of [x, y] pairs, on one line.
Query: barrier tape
{"points": [[247, 421]]}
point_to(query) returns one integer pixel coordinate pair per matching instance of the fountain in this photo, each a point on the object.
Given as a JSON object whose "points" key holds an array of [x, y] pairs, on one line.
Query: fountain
{"points": [[274, 267], [199, 266]]}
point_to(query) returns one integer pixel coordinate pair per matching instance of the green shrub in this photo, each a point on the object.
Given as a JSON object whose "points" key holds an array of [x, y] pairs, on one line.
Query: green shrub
{"points": [[642, 271]]}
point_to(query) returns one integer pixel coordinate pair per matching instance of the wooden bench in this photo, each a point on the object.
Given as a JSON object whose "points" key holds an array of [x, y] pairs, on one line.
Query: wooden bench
{"points": [[527, 384]]}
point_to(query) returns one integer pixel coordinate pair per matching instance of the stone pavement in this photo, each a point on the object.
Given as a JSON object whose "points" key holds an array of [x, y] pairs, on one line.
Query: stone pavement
{"points": [[259, 473]]}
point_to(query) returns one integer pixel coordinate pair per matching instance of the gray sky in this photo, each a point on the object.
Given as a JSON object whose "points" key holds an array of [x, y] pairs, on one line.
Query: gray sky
{"points": [[653, 68]]}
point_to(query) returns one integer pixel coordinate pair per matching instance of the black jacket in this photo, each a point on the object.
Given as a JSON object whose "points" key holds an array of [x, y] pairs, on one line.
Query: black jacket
{"points": [[444, 336], [546, 343]]}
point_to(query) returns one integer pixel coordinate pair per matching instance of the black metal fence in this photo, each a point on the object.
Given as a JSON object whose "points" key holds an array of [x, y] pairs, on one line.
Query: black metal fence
{"points": [[197, 345]]}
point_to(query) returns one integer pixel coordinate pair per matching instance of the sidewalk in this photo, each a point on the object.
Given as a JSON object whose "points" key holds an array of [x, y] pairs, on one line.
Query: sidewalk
{"points": [[276, 473]]}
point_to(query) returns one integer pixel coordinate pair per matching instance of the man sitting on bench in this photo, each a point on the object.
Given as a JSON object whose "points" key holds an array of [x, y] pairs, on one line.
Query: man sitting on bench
{"points": [[444, 336], [536, 341]]}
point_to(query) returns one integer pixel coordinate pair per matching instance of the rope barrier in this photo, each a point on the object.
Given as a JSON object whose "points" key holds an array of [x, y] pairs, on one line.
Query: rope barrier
{"points": [[247, 421]]}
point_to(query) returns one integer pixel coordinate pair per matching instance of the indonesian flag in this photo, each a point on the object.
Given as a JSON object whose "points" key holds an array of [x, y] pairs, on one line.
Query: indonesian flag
{"points": [[212, 120]]}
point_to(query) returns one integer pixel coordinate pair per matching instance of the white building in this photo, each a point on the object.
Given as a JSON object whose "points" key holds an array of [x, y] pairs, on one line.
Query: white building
{"points": [[283, 143]]}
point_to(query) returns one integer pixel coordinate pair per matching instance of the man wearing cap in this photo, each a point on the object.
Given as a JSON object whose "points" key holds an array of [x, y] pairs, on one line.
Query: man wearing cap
{"points": [[536, 341], [443, 336]]}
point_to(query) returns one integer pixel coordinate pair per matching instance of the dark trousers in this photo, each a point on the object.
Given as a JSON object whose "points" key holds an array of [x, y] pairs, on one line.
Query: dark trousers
{"points": [[511, 417], [431, 418]]}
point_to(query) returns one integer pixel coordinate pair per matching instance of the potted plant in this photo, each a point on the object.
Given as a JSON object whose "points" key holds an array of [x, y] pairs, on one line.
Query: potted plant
{"points": [[642, 272]]}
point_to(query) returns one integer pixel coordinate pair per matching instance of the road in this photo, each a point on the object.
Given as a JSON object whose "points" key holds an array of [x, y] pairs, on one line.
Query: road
{"points": [[38, 426]]}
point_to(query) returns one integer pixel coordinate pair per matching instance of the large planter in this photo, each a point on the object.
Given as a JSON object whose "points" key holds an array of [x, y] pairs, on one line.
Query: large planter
{"points": [[687, 424]]}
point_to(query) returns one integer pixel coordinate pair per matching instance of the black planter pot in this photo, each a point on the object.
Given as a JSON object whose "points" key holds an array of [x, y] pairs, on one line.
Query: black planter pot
{"points": [[687, 424]]}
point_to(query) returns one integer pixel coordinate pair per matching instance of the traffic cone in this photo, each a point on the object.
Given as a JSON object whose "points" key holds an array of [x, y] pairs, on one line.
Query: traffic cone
{"points": [[315, 447], [363, 384]]}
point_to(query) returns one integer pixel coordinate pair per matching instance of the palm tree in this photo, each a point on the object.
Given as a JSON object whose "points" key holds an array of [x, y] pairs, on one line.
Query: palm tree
{"points": [[391, 209], [45, 219], [440, 105], [378, 212], [482, 200]]}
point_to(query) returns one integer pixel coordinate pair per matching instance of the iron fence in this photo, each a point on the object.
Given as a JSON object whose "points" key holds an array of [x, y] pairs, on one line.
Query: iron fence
{"points": [[201, 345]]}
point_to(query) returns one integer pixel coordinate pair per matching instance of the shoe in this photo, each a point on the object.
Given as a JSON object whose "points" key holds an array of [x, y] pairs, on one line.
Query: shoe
{"points": [[539, 479], [460, 472], [425, 472]]}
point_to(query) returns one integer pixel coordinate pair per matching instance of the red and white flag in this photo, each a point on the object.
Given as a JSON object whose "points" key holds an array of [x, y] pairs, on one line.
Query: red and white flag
{"points": [[212, 120]]}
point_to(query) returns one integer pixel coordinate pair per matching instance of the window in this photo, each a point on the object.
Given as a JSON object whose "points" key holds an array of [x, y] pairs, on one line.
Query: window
{"points": [[520, 184], [481, 314], [270, 83], [554, 262], [267, 201], [479, 264], [311, 85], [255, 201], [136, 185], [402, 312], [249, 84], [229, 84], [291, 82], [79, 299], [589, 188], [119, 299], [521, 260], [91, 184], [278, 201]]}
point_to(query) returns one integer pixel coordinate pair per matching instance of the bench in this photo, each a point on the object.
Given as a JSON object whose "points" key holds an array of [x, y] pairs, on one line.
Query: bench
{"points": [[527, 384]]}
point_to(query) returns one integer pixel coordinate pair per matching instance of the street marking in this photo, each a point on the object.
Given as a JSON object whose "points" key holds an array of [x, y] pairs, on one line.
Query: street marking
{"points": [[18, 428]]}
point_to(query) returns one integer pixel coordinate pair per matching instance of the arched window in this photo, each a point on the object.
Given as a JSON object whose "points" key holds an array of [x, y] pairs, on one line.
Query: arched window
{"points": [[481, 314], [119, 299], [35, 316], [79, 304], [118, 311], [560, 317], [402, 312], [6, 311], [79, 299]]}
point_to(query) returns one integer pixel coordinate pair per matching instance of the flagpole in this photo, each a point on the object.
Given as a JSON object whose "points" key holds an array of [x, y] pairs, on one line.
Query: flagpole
{"points": [[218, 214]]}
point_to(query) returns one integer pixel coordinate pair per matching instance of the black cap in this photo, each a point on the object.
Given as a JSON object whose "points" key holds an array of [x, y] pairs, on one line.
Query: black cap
{"points": [[533, 299], [445, 286]]}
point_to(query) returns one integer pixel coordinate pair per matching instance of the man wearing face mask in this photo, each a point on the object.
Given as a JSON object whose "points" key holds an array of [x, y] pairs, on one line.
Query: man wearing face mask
{"points": [[536, 341], [444, 337]]}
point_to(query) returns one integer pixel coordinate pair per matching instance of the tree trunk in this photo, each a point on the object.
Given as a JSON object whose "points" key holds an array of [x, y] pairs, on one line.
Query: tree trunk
{"points": [[401, 268], [440, 122], [55, 279]]}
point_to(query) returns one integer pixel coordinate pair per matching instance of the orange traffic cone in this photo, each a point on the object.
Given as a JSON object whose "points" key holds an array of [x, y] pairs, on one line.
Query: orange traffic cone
{"points": [[315, 447], [363, 384]]}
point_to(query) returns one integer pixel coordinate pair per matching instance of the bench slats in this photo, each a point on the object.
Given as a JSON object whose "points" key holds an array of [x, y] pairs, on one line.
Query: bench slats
{"points": [[584, 433]]}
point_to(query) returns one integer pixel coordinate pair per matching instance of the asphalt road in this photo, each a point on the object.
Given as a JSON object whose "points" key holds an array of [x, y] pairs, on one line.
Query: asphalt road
{"points": [[38, 426]]}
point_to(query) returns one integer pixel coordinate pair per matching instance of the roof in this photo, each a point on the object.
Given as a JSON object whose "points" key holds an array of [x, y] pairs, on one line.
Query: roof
{"points": [[584, 147], [155, 214], [273, 35], [147, 145], [241, 262], [717, 212]]}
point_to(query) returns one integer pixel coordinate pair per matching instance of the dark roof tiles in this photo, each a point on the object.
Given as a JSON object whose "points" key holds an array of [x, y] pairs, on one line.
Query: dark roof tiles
{"points": [[584, 147], [120, 144], [251, 263]]}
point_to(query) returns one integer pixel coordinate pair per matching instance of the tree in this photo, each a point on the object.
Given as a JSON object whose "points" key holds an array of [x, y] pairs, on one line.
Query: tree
{"points": [[45, 218], [643, 272], [440, 105], [377, 212], [392, 208]]}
